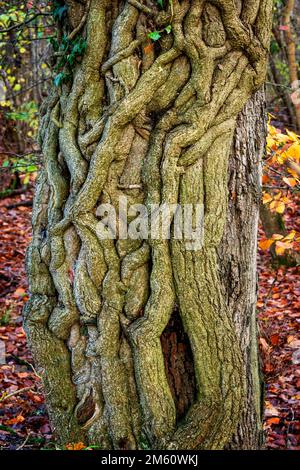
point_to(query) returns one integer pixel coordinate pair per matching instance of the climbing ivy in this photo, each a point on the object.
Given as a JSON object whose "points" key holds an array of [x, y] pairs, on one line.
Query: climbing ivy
{"points": [[59, 10], [156, 35], [69, 53]]}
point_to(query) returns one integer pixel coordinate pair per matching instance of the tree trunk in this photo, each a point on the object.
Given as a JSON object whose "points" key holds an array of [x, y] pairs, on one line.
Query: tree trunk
{"points": [[151, 343], [237, 258]]}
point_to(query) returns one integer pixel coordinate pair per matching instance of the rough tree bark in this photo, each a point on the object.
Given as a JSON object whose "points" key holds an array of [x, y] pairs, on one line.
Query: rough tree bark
{"points": [[146, 343]]}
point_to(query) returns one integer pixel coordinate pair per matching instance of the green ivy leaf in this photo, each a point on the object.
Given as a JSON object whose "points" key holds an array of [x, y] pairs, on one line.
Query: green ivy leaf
{"points": [[54, 43], [168, 29], [61, 63], [65, 42], [32, 168], [154, 35], [71, 58], [160, 3], [60, 12], [58, 79], [79, 47], [274, 48], [17, 116]]}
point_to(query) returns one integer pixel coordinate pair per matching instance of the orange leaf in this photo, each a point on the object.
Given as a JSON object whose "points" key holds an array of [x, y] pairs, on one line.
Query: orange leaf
{"points": [[22, 375], [274, 339], [148, 48], [267, 198], [280, 248], [290, 182], [273, 421], [268, 368], [75, 446], [265, 179], [16, 420], [276, 296], [290, 338], [265, 244], [294, 151], [19, 292], [37, 399]]}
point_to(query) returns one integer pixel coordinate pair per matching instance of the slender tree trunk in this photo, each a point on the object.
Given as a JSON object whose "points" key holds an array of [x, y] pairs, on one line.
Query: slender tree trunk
{"points": [[290, 39], [149, 342], [237, 258]]}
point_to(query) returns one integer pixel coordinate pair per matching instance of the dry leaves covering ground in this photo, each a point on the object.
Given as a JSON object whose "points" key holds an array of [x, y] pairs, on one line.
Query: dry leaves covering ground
{"points": [[23, 417]]}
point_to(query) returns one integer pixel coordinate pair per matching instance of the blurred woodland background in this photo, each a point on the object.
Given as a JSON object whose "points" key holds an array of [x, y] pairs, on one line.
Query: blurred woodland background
{"points": [[27, 34]]}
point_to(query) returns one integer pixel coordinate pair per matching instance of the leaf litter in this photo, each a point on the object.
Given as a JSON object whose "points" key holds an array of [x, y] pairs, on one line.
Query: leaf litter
{"points": [[23, 417]]}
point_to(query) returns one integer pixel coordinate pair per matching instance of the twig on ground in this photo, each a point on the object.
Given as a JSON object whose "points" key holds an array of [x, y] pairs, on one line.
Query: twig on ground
{"points": [[16, 392], [25, 442], [19, 204]]}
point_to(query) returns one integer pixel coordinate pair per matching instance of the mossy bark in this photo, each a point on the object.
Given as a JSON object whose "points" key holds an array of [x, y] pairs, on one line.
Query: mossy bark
{"points": [[147, 342]]}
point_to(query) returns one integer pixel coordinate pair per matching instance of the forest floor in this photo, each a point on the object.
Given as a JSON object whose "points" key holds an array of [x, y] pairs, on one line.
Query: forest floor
{"points": [[23, 417]]}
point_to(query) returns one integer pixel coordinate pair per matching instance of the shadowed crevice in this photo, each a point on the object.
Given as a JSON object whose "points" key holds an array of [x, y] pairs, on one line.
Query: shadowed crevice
{"points": [[179, 364]]}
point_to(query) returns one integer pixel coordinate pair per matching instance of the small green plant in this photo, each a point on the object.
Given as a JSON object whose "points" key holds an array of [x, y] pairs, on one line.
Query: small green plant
{"points": [[21, 165], [27, 113], [5, 317], [144, 443], [156, 35]]}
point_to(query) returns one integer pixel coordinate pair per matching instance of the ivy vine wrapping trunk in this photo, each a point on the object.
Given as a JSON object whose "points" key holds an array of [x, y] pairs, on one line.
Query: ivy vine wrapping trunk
{"points": [[146, 343]]}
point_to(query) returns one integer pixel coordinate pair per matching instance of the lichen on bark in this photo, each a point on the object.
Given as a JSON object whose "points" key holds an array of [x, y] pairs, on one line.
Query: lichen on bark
{"points": [[155, 124]]}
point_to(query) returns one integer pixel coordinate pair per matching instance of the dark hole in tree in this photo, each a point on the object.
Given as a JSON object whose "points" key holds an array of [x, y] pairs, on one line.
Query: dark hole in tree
{"points": [[179, 364]]}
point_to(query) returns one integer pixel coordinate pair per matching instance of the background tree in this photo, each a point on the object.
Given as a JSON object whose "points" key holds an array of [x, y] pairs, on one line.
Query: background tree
{"points": [[148, 344], [283, 73], [24, 77], [281, 164]]}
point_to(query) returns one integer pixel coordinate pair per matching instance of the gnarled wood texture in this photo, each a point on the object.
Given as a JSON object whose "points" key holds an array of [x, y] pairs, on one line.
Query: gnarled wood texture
{"points": [[154, 124]]}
